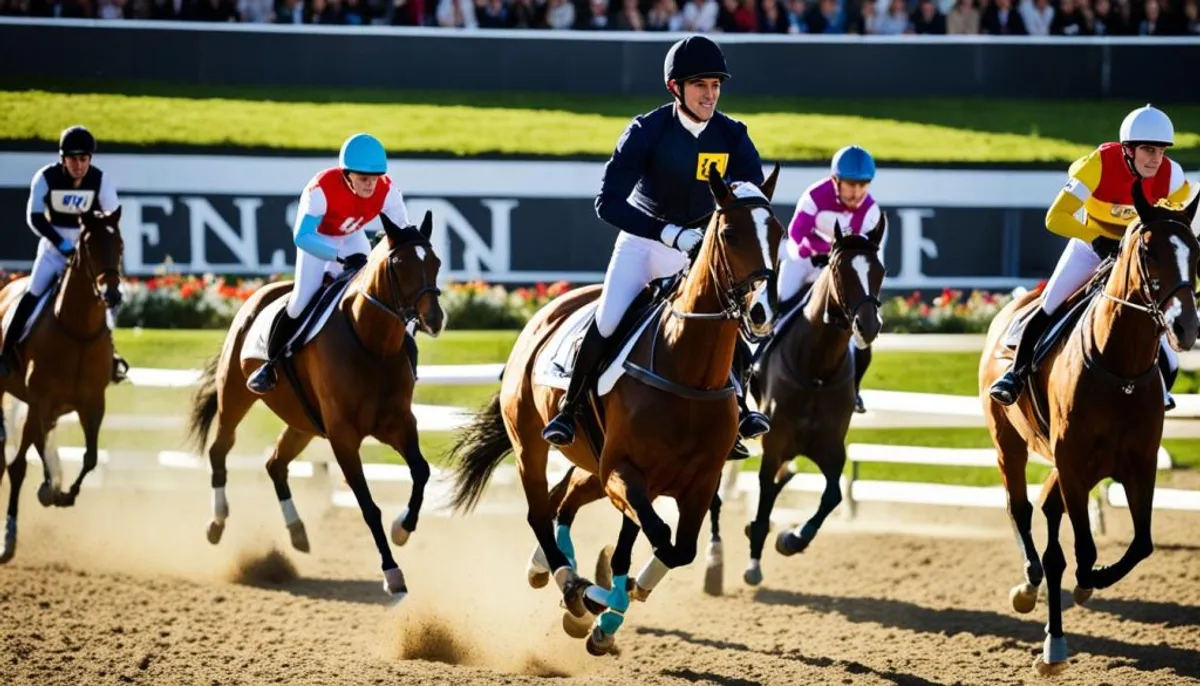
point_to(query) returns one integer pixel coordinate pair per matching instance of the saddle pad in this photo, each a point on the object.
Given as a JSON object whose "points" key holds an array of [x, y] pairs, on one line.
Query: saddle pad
{"points": [[556, 361], [255, 345], [41, 306]]}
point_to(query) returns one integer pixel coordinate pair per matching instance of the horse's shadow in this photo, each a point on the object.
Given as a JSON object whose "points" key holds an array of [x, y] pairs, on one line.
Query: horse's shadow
{"points": [[363, 591], [1149, 611], [850, 666], [910, 616]]}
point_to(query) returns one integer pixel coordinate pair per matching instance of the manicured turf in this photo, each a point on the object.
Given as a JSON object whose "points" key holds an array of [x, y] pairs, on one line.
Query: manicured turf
{"points": [[550, 124]]}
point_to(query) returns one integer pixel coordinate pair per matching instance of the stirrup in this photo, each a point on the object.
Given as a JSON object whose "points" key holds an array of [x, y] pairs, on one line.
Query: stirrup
{"points": [[561, 430], [753, 425], [1007, 388], [120, 370], [859, 408], [739, 451], [263, 379]]}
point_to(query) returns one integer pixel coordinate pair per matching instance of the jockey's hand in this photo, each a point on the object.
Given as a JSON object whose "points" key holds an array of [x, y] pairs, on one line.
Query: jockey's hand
{"points": [[1105, 247], [353, 262], [65, 247], [688, 240], [820, 260]]}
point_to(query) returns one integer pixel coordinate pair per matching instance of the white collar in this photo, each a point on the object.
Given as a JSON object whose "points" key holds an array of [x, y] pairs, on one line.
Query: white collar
{"points": [[693, 127]]}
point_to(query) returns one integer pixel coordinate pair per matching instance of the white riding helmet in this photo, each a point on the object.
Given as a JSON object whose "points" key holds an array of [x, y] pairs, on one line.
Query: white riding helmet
{"points": [[1147, 125]]}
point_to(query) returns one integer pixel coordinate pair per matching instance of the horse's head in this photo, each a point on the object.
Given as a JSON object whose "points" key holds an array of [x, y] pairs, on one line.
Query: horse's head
{"points": [[1160, 253], [856, 271], [99, 253], [742, 243], [405, 278]]}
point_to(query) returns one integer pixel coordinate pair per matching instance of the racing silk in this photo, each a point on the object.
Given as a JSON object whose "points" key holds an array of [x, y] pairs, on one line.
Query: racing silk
{"points": [[329, 210], [55, 203], [811, 230], [1100, 184], [657, 174]]}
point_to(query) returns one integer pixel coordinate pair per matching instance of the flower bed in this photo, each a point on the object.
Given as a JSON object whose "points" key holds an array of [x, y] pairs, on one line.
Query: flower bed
{"points": [[176, 301]]}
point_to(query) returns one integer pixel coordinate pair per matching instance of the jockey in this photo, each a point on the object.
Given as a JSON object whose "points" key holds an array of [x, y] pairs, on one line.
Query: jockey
{"points": [[841, 197], [655, 191], [1100, 184], [334, 207], [59, 195]]}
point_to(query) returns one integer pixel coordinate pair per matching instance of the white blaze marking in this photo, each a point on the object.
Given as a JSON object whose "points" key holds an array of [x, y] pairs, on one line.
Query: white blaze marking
{"points": [[760, 216], [420, 253]]}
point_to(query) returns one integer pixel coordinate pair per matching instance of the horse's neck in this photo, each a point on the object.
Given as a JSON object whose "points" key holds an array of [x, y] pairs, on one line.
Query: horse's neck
{"points": [[380, 332], [1125, 339], [700, 350], [76, 306], [828, 344]]}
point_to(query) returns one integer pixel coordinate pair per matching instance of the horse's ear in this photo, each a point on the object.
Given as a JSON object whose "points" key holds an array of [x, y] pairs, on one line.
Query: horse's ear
{"points": [[837, 231], [768, 187], [876, 234], [114, 217], [427, 224], [1140, 204], [717, 184], [1190, 210], [390, 228]]}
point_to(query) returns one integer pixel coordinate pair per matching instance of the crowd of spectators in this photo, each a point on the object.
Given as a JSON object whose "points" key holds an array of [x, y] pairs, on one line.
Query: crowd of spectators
{"points": [[883, 17]]}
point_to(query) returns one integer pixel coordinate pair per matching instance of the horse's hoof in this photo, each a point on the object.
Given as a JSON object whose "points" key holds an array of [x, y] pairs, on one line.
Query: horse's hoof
{"points": [[10, 550], [399, 533], [753, 575], [393, 583], [1023, 597], [573, 589], [45, 494], [600, 643], [714, 579], [64, 499], [299, 536], [1082, 595], [1054, 657], [788, 544], [639, 594], [1048, 669], [576, 627], [215, 529], [539, 580]]}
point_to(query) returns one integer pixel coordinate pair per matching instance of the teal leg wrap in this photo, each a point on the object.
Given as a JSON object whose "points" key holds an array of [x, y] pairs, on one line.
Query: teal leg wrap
{"points": [[562, 537], [618, 603]]}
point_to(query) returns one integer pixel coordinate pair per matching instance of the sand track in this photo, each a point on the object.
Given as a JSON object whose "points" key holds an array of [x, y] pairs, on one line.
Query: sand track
{"points": [[124, 589]]}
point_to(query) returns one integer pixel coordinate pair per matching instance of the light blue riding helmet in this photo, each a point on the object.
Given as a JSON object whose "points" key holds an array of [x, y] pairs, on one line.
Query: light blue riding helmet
{"points": [[364, 154], [852, 163]]}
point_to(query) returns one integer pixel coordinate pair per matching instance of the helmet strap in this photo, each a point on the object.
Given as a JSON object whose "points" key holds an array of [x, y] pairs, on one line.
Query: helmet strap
{"points": [[677, 93]]}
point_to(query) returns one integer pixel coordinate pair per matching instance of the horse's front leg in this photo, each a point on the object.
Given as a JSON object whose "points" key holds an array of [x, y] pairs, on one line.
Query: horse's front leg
{"points": [[832, 461], [1139, 490], [91, 416], [345, 448], [611, 604], [406, 441]]}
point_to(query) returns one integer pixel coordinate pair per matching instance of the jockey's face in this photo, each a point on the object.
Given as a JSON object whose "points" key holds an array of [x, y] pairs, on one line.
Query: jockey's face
{"points": [[701, 96], [77, 165], [363, 185], [852, 193], [1147, 159]]}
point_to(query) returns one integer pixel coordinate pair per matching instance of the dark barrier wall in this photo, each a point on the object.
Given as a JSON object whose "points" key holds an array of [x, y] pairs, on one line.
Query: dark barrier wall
{"points": [[1151, 69]]}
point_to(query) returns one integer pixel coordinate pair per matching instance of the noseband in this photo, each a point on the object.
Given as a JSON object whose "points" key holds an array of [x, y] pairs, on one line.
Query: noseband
{"points": [[404, 309]]}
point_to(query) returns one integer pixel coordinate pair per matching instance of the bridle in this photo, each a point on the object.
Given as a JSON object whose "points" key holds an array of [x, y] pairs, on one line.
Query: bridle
{"points": [[1150, 287], [843, 316], [404, 309], [79, 260], [733, 297]]}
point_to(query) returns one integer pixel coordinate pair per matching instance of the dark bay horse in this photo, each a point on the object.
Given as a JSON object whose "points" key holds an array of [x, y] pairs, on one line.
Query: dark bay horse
{"points": [[1102, 394], [66, 362], [804, 382], [354, 381], [669, 423]]}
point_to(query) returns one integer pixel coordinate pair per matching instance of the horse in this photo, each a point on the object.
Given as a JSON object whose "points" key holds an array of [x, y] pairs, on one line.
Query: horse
{"points": [[349, 380], [1093, 405], [803, 379], [65, 360], [669, 421]]}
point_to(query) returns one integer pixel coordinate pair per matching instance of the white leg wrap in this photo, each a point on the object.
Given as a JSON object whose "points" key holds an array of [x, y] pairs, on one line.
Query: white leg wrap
{"points": [[651, 574], [220, 505], [537, 562], [290, 516]]}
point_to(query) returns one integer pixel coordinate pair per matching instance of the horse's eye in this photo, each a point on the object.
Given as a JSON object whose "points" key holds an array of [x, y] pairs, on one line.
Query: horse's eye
{"points": [[730, 237]]}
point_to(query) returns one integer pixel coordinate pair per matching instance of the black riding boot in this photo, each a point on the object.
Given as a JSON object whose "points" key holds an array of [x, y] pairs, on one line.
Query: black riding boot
{"points": [[561, 430], [15, 327], [1169, 375], [862, 360], [263, 380], [1008, 388], [410, 347], [750, 424]]}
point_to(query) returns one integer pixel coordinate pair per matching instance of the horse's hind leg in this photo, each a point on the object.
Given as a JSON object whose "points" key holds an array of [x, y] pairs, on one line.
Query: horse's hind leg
{"points": [[770, 482], [91, 416], [16, 473], [234, 401], [32, 434], [1054, 651], [714, 559], [1013, 454], [291, 442], [613, 603], [831, 461]]}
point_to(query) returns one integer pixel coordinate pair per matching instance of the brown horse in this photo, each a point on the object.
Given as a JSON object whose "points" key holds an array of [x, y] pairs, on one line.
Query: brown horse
{"points": [[1103, 400], [804, 381], [667, 430], [352, 380], [66, 362]]}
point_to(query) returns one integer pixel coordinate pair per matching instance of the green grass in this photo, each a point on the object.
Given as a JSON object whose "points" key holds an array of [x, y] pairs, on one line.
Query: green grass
{"points": [[916, 130], [952, 373]]}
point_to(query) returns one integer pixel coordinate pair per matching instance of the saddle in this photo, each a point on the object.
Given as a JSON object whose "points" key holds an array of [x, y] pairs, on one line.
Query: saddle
{"points": [[1061, 325], [38, 309]]}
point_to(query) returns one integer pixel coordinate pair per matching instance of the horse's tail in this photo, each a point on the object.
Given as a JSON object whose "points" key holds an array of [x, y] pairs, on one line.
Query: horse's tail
{"points": [[204, 404], [479, 449]]}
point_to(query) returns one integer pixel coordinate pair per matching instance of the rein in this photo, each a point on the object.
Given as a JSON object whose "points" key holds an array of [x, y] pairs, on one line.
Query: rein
{"points": [[403, 309]]}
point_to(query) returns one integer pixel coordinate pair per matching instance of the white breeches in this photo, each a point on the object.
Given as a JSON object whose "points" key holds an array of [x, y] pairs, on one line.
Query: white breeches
{"points": [[311, 270], [1172, 356], [49, 263], [635, 262], [794, 273], [1076, 265]]}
